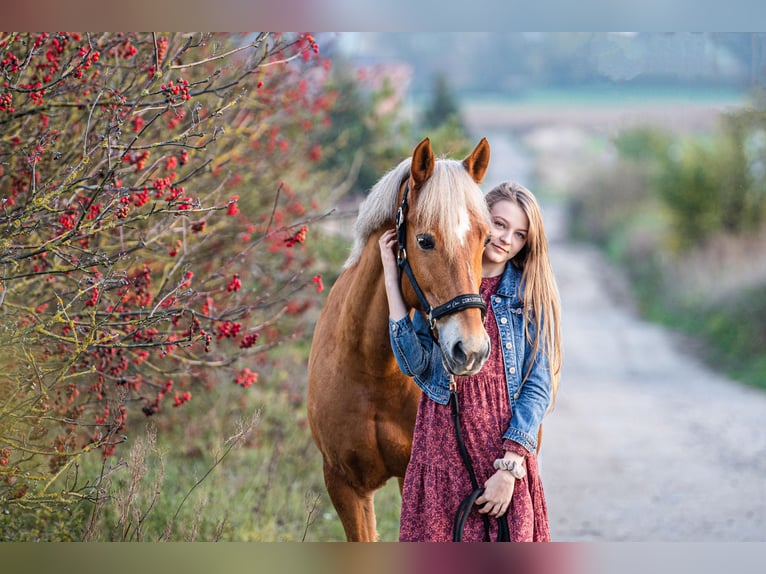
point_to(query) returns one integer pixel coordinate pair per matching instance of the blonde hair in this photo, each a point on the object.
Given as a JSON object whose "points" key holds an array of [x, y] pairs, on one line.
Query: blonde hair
{"points": [[540, 290]]}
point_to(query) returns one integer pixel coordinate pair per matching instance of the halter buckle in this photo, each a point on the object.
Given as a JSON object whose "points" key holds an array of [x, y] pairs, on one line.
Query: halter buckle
{"points": [[432, 323]]}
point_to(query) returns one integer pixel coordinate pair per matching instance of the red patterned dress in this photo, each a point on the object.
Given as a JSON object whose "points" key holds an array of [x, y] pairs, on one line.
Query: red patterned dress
{"points": [[437, 481]]}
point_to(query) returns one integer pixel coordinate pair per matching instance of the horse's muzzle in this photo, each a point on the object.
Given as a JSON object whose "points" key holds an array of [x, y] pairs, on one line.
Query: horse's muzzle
{"points": [[465, 356]]}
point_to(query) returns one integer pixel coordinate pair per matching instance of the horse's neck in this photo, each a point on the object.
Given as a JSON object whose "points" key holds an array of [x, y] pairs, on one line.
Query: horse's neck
{"points": [[366, 299]]}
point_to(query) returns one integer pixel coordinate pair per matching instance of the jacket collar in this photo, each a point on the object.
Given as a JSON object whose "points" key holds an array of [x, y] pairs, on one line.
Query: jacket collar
{"points": [[509, 283]]}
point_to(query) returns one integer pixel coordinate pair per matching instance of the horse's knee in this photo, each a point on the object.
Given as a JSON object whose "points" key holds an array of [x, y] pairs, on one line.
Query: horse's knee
{"points": [[354, 505]]}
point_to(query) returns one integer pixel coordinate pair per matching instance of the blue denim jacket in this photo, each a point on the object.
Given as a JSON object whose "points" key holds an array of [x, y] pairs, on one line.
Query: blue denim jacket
{"points": [[420, 357]]}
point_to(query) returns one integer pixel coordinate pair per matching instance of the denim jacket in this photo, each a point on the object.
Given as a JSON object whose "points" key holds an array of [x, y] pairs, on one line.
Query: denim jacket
{"points": [[420, 357]]}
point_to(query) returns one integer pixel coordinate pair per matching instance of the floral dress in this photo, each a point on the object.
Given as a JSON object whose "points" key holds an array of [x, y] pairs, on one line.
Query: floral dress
{"points": [[437, 480]]}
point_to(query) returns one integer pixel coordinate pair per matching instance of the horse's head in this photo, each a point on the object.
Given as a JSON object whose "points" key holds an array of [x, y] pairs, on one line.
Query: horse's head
{"points": [[445, 227]]}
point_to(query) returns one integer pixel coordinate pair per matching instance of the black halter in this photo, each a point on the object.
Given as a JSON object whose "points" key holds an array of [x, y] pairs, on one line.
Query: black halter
{"points": [[459, 303]]}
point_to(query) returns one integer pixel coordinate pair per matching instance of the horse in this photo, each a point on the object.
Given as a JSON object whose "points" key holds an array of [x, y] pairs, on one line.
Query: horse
{"points": [[361, 407]]}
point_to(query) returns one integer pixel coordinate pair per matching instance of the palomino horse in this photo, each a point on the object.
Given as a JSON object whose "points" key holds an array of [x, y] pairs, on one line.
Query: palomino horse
{"points": [[361, 407]]}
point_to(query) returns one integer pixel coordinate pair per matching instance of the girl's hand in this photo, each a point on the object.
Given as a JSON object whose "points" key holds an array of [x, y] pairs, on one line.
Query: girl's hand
{"points": [[498, 492], [396, 307], [388, 243]]}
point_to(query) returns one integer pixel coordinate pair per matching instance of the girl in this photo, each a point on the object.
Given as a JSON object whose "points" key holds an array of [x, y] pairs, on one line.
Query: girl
{"points": [[502, 406]]}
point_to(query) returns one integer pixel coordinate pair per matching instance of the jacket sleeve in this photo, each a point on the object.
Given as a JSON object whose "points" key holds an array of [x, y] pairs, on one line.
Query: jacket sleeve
{"points": [[533, 400], [413, 345]]}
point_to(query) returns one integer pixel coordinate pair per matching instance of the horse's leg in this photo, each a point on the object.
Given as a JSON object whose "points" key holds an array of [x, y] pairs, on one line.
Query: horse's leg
{"points": [[355, 510], [401, 483]]}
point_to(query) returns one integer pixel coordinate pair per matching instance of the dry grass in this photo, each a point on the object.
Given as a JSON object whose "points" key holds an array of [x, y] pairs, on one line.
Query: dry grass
{"points": [[721, 269]]}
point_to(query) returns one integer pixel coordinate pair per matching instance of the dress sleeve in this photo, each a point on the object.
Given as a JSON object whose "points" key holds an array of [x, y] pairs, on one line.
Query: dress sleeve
{"points": [[512, 446]]}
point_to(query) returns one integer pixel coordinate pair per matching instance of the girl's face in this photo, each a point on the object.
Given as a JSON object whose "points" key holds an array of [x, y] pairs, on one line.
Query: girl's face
{"points": [[509, 226]]}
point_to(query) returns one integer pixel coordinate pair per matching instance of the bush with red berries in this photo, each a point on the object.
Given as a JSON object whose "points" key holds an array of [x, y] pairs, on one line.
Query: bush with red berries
{"points": [[151, 231]]}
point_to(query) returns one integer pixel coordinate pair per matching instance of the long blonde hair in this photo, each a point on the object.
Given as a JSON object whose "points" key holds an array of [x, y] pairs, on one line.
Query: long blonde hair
{"points": [[541, 292]]}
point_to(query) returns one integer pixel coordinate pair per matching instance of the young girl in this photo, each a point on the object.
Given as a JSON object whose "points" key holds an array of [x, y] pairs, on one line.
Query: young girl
{"points": [[502, 406]]}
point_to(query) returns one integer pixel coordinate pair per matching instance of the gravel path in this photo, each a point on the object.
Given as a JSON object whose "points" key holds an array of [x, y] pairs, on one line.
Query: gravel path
{"points": [[645, 443]]}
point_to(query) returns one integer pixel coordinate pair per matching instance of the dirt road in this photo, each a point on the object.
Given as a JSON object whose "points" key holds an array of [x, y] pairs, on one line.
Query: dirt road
{"points": [[645, 443]]}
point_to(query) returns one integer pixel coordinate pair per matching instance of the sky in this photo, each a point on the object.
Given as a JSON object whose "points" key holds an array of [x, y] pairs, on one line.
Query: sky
{"points": [[402, 15]]}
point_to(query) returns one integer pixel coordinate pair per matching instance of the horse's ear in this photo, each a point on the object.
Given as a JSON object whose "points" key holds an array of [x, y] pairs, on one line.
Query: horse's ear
{"points": [[478, 161], [422, 163]]}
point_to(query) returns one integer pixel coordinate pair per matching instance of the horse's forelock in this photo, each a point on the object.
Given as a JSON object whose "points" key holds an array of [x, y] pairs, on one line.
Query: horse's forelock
{"points": [[447, 202]]}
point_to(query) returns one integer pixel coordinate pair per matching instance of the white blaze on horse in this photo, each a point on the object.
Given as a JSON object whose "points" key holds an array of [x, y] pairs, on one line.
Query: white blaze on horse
{"points": [[361, 407]]}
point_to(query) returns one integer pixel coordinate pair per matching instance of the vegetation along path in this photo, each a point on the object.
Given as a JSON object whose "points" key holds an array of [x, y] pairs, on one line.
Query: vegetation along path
{"points": [[645, 442]]}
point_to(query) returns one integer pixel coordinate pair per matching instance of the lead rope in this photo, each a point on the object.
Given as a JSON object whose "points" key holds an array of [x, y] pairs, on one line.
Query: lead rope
{"points": [[464, 509]]}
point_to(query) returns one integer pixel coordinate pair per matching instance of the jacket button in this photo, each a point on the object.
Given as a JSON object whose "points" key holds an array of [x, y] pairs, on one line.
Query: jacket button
{"points": [[512, 370], [516, 396], [509, 345], [503, 320]]}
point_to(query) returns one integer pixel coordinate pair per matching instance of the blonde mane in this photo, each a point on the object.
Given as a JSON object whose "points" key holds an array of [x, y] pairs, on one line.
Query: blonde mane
{"points": [[448, 202]]}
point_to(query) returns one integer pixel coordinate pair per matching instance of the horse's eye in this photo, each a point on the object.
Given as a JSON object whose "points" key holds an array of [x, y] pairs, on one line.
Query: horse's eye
{"points": [[487, 239], [425, 241]]}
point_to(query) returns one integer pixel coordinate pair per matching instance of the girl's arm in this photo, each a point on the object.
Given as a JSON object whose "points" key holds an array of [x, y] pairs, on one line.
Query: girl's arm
{"points": [[533, 402], [521, 437], [396, 307], [411, 341]]}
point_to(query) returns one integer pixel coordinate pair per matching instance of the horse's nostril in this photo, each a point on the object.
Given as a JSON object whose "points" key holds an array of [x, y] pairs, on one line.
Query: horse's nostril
{"points": [[458, 353]]}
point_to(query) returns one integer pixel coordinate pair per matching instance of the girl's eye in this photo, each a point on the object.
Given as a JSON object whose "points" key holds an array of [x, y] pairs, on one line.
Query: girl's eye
{"points": [[426, 242]]}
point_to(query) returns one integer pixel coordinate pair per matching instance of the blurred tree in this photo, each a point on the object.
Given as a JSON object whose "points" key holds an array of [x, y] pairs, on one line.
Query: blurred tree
{"points": [[443, 107], [361, 139]]}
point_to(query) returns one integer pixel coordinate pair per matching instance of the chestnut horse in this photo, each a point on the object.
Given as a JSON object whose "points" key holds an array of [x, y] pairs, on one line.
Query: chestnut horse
{"points": [[361, 407]]}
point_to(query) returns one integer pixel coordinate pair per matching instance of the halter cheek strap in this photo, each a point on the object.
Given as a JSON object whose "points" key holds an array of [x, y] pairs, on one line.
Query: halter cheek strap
{"points": [[459, 303]]}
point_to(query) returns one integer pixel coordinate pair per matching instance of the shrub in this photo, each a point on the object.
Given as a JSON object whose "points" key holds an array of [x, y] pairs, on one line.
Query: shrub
{"points": [[684, 216], [151, 234]]}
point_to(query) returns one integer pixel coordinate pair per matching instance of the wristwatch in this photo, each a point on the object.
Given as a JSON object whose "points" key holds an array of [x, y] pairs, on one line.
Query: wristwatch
{"points": [[515, 467]]}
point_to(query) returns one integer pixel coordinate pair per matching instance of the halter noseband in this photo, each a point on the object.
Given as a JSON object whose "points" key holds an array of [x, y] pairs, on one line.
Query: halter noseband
{"points": [[459, 303]]}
